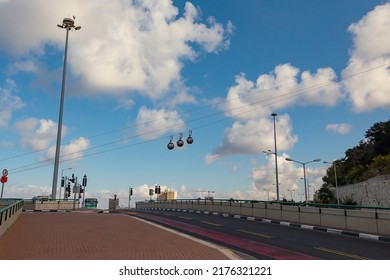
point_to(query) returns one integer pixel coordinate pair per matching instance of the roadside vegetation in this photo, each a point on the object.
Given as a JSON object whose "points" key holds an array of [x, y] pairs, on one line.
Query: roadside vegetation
{"points": [[370, 158]]}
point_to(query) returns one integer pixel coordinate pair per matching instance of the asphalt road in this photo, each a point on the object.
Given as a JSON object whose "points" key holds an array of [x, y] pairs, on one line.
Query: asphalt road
{"points": [[262, 240]]}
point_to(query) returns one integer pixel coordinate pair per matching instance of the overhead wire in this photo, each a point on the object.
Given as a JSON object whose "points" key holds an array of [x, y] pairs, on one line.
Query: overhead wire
{"points": [[243, 96], [271, 100]]}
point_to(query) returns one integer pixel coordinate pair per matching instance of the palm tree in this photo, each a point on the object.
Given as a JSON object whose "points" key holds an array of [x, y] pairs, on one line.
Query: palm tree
{"points": [[324, 195]]}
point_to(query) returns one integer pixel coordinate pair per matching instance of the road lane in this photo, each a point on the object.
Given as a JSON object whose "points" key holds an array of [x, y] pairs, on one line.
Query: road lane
{"points": [[305, 241], [257, 249]]}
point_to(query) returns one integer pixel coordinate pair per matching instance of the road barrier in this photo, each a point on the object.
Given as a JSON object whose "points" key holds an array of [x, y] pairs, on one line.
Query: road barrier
{"points": [[50, 205], [371, 220], [10, 210]]}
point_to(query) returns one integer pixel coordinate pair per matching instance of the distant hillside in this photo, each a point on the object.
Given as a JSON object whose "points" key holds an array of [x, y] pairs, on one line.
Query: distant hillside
{"points": [[368, 159]]}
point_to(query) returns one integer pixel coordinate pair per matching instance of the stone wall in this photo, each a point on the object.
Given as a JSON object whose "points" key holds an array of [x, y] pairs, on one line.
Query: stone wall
{"points": [[374, 192]]}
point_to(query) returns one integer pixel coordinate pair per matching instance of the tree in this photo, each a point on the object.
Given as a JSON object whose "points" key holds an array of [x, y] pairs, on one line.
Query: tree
{"points": [[366, 160], [379, 136], [324, 195]]}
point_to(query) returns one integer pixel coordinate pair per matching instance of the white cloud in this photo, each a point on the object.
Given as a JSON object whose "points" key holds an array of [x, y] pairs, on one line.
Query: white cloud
{"points": [[24, 66], [254, 136], [9, 102], [71, 151], [37, 134], [154, 123], [290, 178], [122, 46], [40, 135], [340, 128], [367, 76], [251, 103], [26, 191]]}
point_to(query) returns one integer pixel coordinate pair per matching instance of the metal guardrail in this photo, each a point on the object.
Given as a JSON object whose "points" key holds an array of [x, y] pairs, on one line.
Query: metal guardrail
{"points": [[11, 206], [356, 218]]}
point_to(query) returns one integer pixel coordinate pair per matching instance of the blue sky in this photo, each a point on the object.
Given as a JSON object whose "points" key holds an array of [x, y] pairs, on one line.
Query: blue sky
{"points": [[142, 71]]}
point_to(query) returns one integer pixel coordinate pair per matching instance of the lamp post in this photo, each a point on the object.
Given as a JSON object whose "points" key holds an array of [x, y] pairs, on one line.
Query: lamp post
{"points": [[335, 179], [291, 194], [276, 159], [304, 171], [68, 24], [267, 190]]}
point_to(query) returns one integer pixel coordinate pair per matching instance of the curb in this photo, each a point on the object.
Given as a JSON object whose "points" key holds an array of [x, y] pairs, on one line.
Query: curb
{"points": [[283, 223]]}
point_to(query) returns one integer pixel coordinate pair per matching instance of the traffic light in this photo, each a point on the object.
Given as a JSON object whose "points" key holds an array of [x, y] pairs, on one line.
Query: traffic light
{"points": [[72, 179], [81, 189], [62, 181], [84, 181], [131, 191], [68, 189], [157, 189]]}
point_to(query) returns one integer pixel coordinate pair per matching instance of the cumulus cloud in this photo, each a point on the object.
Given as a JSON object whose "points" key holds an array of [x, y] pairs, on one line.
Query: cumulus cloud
{"points": [[367, 76], [290, 178], [24, 66], [37, 134], [74, 150], [9, 102], [251, 103], [153, 123], [40, 135], [340, 128], [240, 138], [123, 45], [26, 191]]}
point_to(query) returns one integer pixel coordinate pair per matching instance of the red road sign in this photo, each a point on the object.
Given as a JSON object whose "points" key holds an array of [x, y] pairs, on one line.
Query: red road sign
{"points": [[4, 179]]}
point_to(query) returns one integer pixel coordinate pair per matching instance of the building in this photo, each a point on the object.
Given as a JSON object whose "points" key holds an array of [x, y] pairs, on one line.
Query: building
{"points": [[167, 195]]}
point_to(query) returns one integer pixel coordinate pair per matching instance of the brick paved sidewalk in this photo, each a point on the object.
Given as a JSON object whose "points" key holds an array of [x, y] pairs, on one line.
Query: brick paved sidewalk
{"points": [[98, 236]]}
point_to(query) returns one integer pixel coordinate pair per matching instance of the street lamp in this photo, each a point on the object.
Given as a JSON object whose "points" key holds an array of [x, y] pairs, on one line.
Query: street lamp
{"points": [[276, 159], [304, 171], [291, 194], [68, 24], [335, 179], [267, 190]]}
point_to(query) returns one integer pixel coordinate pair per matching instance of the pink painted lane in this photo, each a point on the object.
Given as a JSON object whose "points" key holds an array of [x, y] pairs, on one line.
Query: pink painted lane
{"points": [[248, 245]]}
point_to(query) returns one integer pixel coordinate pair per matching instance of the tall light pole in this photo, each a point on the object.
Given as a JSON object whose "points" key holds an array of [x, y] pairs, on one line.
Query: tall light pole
{"points": [[276, 160], [304, 171], [335, 179], [68, 24], [291, 194]]}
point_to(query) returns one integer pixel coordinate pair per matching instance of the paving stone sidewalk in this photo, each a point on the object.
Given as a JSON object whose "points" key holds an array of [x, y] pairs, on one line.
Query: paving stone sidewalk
{"points": [[98, 236]]}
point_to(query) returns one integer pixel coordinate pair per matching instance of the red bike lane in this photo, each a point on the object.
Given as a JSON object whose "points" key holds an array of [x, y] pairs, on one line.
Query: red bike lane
{"points": [[265, 250]]}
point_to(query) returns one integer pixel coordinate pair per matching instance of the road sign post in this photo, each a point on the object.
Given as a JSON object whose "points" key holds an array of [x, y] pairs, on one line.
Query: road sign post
{"points": [[4, 180]]}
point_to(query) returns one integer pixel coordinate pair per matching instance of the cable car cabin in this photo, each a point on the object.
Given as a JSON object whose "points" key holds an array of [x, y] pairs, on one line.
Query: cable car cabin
{"points": [[91, 202]]}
